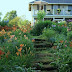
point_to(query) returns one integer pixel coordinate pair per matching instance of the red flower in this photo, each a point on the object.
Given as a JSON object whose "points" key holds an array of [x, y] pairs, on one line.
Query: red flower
{"points": [[0, 52]]}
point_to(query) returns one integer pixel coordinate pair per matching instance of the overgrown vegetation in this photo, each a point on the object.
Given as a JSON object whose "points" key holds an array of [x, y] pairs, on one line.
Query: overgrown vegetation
{"points": [[17, 47]]}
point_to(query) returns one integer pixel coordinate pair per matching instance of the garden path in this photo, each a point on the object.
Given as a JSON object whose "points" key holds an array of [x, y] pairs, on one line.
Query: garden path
{"points": [[43, 56]]}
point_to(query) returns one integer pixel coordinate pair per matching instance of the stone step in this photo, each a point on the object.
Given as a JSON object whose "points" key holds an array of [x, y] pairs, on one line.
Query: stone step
{"points": [[40, 49], [43, 55], [42, 45], [39, 39], [39, 42], [49, 71], [45, 67], [35, 70], [43, 60]]}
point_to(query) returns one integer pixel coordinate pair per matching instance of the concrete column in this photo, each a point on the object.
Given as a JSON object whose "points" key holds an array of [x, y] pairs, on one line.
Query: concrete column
{"points": [[63, 19], [53, 11], [33, 12], [53, 18], [33, 21], [43, 19], [63, 12]]}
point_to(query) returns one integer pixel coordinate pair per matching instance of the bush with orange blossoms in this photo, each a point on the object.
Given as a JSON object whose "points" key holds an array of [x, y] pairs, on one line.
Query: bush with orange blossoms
{"points": [[26, 28]]}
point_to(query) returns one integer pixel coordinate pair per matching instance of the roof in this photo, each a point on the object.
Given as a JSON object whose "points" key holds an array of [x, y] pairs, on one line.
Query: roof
{"points": [[55, 1]]}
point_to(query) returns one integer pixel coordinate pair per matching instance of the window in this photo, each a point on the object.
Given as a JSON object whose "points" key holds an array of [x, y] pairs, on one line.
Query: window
{"points": [[42, 7], [58, 6], [52, 6], [45, 8], [37, 7]]}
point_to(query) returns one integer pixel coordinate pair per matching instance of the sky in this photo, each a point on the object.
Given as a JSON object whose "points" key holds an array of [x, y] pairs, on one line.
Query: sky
{"points": [[21, 6]]}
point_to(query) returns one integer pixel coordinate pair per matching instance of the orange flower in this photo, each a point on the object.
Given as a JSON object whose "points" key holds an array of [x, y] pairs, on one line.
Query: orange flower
{"points": [[7, 54], [70, 45], [24, 35], [33, 40], [17, 53], [4, 37], [65, 25], [71, 42], [54, 47], [12, 36], [9, 33], [15, 38], [21, 45], [61, 41], [26, 38], [20, 49]]}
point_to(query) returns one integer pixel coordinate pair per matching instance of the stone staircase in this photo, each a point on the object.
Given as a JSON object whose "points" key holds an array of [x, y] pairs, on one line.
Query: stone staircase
{"points": [[43, 57]]}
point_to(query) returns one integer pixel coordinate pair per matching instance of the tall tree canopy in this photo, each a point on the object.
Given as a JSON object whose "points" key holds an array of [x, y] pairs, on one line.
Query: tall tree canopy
{"points": [[10, 15], [0, 16]]}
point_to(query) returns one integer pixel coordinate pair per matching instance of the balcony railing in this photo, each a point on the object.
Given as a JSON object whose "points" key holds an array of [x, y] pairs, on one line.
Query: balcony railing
{"points": [[54, 12]]}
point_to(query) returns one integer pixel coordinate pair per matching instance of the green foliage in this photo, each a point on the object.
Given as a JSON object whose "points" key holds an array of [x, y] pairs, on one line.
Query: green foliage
{"points": [[60, 28], [64, 60], [23, 22], [70, 25], [10, 15], [48, 33], [58, 39], [14, 21], [38, 27], [0, 16], [69, 36], [10, 61], [2, 23], [14, 68], [40, 15]]}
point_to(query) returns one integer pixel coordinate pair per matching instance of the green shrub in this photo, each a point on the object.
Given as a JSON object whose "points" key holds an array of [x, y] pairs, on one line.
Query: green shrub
{"points": [[40, 15], [70, 25], [69, 36], [3, 23], [60, 29], [17, 50], [14, 21], [48, 33], [64, 60], [38, 28], [60, 40]]}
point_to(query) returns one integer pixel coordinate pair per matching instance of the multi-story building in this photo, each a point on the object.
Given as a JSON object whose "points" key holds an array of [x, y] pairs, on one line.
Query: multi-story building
{"points": [[56, 10]]}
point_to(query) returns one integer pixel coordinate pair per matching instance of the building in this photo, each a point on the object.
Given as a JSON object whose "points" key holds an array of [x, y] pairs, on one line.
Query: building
{"points": [[56, 10]]}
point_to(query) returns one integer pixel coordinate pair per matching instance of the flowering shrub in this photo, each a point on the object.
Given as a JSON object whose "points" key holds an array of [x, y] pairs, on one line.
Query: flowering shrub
{"points": [[69, 36], [63, 60], [60, 27], [26, 28], [16, 48], [4, 35]]}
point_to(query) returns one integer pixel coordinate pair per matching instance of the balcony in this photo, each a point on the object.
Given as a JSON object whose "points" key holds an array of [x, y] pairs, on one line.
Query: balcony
{"points": [[54, 12]]}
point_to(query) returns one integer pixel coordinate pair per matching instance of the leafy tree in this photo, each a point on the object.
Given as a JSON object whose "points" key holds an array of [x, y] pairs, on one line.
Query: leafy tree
{"points": [[14, 21], [40, 15], [0, 16], [10, 15]]}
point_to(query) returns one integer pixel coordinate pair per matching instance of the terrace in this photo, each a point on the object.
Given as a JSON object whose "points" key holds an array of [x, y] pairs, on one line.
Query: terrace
{"points": [[55, 12]]}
